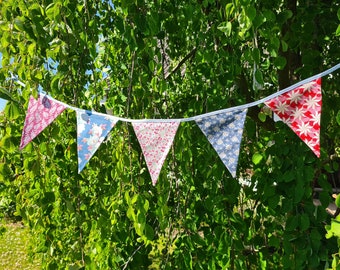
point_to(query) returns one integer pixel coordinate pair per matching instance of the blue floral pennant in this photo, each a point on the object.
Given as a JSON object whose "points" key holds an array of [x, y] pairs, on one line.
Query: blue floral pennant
{"points": [[92, 128], [224, 132]]}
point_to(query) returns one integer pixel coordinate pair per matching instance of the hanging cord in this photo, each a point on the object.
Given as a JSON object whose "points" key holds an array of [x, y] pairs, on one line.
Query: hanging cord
{"points": [[200, 116]]}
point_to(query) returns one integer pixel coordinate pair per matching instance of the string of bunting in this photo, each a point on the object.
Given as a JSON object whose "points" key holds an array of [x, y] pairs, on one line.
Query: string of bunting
{"points": [[299, 106]]}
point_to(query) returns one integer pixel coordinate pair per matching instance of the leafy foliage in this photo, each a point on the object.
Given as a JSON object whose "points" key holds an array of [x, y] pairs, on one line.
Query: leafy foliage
{"points": [[169, 59]]}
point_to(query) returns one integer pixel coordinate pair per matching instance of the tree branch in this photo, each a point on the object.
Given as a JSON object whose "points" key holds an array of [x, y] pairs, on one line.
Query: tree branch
{"points": [[181, 63], [254, 111]]}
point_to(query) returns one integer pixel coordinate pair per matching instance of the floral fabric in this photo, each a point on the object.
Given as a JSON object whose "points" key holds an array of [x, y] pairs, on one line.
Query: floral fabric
{"points": [[224, 132], [40, 113], [92, 128], [300, 109], [155, 140]]}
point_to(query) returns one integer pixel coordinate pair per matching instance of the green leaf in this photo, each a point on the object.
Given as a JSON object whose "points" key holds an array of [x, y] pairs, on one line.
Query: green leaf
{"points": [[12, 110], [274, 46], [337, 201], [149, 232], [280, 62], [333, 229], [131, 214], [251, 12], [338, 118], [304, 222], [292, 223], [259, 77], [256, 158], [19, 23], [225, 27], [269, 15], [262, 116], [284, 16], [229, 9], [284, 45], [4, 94]]}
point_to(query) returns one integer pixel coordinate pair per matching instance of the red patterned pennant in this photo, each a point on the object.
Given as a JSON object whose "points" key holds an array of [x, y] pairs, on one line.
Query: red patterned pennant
{"points": [[300, 109], [155, 140], [40, 113]]}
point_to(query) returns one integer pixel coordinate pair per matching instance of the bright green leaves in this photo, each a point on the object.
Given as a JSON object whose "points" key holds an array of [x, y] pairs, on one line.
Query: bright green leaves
{"points": [[226, 28], [53, 11], [333, 229], [137, 212], [239, 19], [12, 110], [256, 159]]}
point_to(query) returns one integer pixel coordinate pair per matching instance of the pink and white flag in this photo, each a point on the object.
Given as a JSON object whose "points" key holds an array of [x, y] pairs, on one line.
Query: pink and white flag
{"points": [[300, 109], [155, 140], [40, 113]]}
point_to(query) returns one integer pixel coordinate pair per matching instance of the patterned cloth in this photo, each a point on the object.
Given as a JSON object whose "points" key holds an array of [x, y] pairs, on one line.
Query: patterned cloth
{"points": [[300, 109], [155, 140], [224, 132], [92, 128], [40, 113]]}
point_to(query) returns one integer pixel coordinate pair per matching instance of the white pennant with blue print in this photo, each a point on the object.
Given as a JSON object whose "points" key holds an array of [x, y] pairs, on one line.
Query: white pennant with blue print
{"points": [[92, 128], [224, 132]]}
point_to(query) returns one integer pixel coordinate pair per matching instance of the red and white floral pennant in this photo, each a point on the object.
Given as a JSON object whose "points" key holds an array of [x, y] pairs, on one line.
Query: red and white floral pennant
{"points": [[155, 140], [300, 109]]}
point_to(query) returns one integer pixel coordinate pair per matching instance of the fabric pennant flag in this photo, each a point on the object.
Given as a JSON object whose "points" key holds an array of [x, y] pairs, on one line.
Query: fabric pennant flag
{"points": [[155, 140], [40, 113], [300, 109], [224, 132], [92, 128]]}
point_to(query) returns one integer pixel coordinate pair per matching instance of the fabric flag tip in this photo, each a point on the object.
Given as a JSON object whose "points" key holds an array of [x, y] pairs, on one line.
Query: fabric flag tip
{"points": [[155, 139]]}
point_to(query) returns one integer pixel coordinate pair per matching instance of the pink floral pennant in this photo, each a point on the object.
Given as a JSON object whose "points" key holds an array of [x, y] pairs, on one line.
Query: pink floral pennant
{"points": [[40, 113], [155, 140], [92, 128], [300, 109]]}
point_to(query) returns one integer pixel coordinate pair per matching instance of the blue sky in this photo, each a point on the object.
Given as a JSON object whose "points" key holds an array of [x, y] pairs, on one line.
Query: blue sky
{"points": [[2, 104], [2, 101]]}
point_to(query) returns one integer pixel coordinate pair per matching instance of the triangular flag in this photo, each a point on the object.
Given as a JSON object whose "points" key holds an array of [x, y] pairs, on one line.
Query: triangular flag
{"points": [[92, 128], [155, 140], [300, 109], [40, 113], [224, 132]]}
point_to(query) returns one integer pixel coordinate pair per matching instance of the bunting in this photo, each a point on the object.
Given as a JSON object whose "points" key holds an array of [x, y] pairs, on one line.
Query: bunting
{"points": [[155, 140], [224, 132], [299, 106], [92, 128], [300, 109], [40, 114]]}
